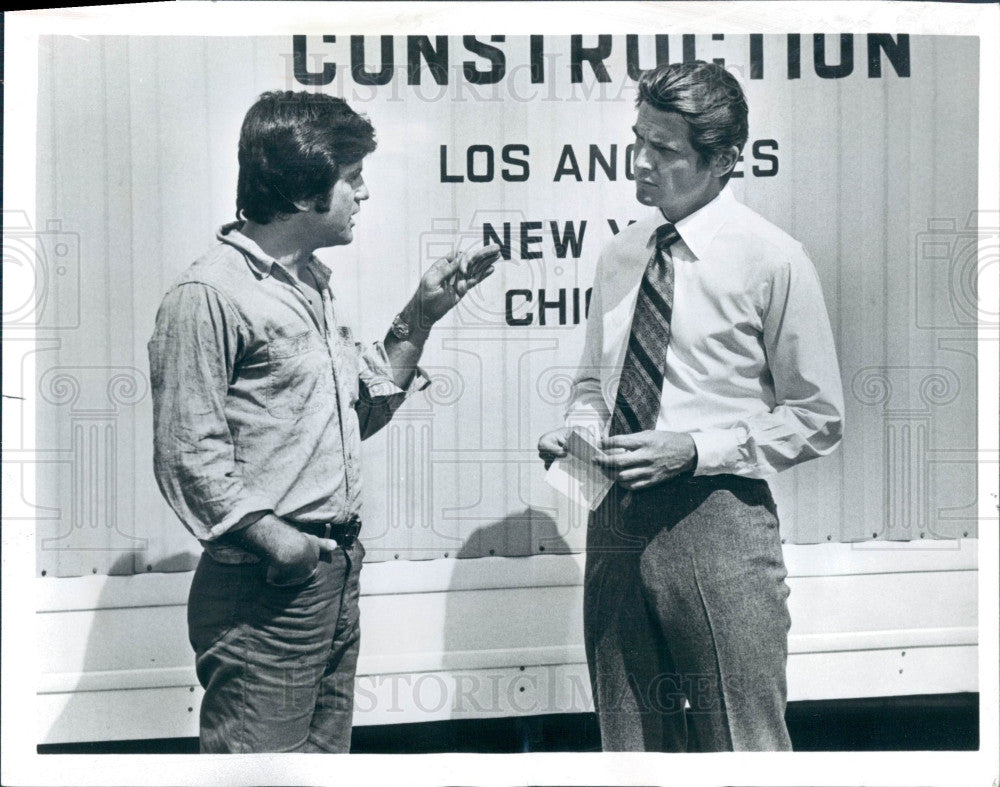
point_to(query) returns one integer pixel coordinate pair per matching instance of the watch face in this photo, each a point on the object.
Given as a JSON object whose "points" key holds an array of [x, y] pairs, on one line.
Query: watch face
{"points": [[400, 329]]}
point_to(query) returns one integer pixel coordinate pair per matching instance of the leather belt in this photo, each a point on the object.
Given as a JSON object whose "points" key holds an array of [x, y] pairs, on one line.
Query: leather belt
{"points": [[344, 533]]}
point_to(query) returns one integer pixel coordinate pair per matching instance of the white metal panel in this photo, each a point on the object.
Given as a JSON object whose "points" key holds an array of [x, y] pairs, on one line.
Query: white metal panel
{"points": [[396, 578], [525, 625], [435, 645]]}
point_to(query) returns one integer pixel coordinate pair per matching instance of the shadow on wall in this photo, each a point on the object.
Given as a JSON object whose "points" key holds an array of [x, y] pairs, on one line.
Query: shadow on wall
{"points": [[150, 639], [487, 628], [528, 532]]}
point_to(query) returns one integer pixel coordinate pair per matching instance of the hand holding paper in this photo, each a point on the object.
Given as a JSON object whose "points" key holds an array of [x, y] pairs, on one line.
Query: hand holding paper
{"points": [[576, 474]]}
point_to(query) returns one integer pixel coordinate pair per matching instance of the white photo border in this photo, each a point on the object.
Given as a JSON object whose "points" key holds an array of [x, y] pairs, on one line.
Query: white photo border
{"points": [[21, 763]]}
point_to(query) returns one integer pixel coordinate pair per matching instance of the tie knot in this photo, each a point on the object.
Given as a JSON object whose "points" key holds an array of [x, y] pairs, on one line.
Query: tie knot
{"points": [[666, 236]]}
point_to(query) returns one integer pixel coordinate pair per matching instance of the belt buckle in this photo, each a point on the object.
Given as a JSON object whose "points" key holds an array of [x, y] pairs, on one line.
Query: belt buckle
{"points": [[346, 533]]}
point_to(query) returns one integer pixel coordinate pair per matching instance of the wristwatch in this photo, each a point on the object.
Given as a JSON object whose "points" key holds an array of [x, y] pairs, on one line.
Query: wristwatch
{"points": [[400, 329]]}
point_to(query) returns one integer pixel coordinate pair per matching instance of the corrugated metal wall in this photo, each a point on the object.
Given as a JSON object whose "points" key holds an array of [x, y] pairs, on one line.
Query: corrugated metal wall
{"points": [[137, 166]]}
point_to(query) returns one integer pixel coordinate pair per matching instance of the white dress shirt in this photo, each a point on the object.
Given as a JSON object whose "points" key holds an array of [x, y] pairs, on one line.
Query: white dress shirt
{"points": [[751, 369]]}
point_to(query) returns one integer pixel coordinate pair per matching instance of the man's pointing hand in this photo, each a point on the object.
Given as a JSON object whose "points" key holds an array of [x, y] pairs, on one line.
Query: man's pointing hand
{"points": [[448, 280]]}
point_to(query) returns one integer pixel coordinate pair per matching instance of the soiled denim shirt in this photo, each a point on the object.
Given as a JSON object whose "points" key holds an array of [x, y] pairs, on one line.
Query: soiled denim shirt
{"points": [[256, 406]]}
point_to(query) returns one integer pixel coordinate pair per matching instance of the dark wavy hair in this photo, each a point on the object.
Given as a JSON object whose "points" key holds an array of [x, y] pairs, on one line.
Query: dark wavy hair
{"points": [[707, 96], [292, 147]]}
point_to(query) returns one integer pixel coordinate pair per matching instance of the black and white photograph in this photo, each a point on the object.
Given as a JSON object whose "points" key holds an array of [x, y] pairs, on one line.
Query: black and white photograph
{"points": [[551, 390]]}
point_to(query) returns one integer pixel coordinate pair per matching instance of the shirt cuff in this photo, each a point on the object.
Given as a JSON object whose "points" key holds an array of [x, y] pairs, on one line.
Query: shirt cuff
{"points": [[718, 450], [377, 375], [239, 516], [418, 382], [237, 520]]}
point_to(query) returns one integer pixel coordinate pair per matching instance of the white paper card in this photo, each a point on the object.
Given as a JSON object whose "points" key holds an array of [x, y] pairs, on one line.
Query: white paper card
{"points": [[577, 477]]}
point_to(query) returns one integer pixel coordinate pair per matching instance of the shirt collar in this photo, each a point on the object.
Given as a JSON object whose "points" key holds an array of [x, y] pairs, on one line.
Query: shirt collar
{"points": [[261, 263], [698, 229]]}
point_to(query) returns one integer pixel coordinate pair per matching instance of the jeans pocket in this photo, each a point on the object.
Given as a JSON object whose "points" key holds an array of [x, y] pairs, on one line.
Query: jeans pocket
{"points": [[295, 585], [214, 602]]}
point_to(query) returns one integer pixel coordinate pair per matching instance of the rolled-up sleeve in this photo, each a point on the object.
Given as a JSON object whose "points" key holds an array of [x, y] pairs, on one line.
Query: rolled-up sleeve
{"points": [[379, 396], [192, 355]]}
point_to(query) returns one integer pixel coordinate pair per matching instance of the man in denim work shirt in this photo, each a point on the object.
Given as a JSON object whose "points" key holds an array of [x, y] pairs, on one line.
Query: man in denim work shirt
{"points": [[261, 400], [708, 365]]}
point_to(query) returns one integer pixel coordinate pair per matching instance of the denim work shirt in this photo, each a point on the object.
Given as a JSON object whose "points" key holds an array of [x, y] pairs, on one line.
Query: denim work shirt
{"points": [[257, 407]]}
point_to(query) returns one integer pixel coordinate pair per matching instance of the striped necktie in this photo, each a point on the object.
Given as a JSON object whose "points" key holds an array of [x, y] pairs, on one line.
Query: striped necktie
{"points": [[640, 386]]}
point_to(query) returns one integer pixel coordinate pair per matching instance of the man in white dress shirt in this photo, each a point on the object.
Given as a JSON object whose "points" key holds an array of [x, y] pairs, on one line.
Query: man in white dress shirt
{"points": [[709, 364]]}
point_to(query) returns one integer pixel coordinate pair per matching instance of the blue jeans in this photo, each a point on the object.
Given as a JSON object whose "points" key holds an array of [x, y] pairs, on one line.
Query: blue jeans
{"points": [[277, 663], [685, 604]]}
